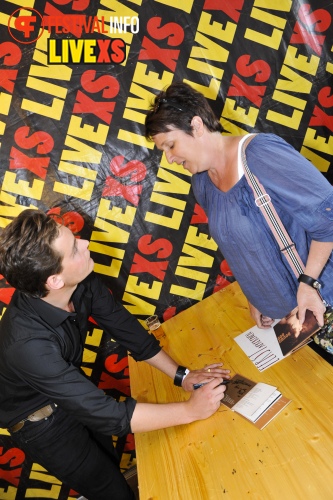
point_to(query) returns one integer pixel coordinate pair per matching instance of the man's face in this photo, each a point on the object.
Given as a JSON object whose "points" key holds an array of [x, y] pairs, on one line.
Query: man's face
{"points": [[76, 262]]}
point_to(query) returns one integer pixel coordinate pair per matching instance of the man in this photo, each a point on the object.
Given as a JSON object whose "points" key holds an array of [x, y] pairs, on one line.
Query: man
{"points": [[53, 412]]}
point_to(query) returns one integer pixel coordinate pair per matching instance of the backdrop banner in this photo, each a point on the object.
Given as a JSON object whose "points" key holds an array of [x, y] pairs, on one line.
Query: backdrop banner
{"points": [[76, 79]]}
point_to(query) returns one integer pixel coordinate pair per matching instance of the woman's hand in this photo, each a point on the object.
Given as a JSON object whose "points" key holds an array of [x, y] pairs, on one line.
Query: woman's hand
{"points": [[261, 320], [308, 298], [204, 375]]}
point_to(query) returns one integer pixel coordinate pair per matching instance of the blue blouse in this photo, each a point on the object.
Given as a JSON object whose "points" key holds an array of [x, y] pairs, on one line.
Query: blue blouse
{"points": [[303, 199]]}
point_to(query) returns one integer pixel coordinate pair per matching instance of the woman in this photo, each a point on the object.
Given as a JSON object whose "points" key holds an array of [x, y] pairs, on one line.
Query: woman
{"points": [[183, 126]]}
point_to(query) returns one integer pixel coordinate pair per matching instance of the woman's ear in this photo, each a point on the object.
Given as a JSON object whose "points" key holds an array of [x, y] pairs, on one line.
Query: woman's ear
{"points": [[55, 282], [197, 126]]}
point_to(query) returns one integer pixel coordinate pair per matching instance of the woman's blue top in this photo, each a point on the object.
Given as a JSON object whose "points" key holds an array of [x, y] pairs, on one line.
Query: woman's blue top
{"points": [[303, 199]]}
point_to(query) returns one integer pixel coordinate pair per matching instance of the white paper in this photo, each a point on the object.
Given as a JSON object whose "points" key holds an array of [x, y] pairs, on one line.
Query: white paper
{"points": [[274, 397], [261, 346], [254, 400]]}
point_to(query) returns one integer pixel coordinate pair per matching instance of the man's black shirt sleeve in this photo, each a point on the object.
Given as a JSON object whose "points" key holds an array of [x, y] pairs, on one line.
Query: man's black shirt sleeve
{"points": [[113, 318], [41, 349]]}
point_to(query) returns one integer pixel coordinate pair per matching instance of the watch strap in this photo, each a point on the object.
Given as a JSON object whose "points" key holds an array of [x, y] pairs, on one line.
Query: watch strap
{"points": [[304, 278], [181, 373]]}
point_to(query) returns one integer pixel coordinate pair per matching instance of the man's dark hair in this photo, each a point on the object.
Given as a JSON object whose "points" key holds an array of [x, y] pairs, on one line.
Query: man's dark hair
{"points": [[175, 107], [27, 258]]}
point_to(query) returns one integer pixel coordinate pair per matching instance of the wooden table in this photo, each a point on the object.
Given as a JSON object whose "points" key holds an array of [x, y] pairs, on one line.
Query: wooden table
{"points": [[225, 456]]}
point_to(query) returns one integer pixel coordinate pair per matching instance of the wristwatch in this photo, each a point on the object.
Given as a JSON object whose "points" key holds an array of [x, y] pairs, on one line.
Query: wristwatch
{"points": [[180, 375], [304, 278]]}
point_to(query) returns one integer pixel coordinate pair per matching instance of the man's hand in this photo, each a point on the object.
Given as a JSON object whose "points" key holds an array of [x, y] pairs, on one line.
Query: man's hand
{"points": [[202, 404], [204, 375], [207, 399]]}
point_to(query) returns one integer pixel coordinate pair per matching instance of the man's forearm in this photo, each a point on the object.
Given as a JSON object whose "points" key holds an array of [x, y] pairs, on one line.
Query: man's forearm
{"points": [[151, 417], [201, 404], [162, 361]]}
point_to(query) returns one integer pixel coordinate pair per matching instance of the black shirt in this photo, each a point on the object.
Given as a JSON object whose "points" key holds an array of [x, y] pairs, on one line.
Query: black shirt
{"points": [[41, 349]]}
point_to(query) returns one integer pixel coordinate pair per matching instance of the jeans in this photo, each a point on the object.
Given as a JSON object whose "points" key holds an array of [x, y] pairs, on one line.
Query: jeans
{"points": [[84, 461]]}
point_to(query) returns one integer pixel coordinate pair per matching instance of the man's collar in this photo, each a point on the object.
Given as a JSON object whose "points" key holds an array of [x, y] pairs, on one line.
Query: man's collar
{"points": [[52, 315]]}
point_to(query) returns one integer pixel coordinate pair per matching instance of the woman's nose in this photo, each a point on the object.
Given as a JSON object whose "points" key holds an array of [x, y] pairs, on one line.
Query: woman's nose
{"points": [[169, 156]]}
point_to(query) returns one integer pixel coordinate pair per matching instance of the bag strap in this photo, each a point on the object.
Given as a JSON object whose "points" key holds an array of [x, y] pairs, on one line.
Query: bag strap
{"points": [[264, 202]]}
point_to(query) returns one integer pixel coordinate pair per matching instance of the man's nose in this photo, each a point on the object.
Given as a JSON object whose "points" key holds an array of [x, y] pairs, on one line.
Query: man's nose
{"points": [[84, 243]]}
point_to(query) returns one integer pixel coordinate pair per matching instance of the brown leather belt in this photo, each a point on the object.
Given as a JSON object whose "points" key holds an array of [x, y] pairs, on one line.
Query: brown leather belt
{"points": [[44, 412]]}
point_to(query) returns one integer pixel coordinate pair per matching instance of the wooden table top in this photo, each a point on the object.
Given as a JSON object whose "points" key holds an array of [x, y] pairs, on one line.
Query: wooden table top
{"points": [[225, 456]]}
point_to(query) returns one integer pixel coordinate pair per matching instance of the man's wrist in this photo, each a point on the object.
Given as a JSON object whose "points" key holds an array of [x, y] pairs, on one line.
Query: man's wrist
{"points": [[187, 371], [181, 373]]}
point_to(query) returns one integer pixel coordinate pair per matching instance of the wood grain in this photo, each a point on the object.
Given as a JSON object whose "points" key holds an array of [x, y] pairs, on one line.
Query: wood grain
{"points": [[226, 456]]}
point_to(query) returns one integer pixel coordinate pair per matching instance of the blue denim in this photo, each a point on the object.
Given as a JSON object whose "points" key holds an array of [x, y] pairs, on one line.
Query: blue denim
{"points": [[67, 449]]}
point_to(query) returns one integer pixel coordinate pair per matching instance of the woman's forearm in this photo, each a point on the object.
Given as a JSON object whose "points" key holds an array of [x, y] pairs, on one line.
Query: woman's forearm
{"points": [[318, 256]]}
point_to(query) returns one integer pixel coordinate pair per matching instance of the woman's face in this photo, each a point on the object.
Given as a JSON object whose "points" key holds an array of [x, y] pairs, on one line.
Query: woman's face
{"points": [[181, 148]]}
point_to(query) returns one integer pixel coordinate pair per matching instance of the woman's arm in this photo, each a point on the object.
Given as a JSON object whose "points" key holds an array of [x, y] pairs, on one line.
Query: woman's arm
{"points": [[307, 297], [261, 321]]}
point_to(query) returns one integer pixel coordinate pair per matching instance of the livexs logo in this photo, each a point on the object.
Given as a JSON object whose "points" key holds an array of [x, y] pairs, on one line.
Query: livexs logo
{"points": [[26, 25], [86, 51]]}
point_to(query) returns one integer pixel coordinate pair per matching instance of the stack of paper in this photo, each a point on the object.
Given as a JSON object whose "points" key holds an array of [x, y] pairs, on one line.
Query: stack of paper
{"points": [[257, 402]]}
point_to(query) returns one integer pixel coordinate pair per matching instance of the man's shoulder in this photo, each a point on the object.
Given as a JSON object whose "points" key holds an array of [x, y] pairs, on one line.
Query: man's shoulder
{"points": [[21, 314], [17, 322], [93, 288], [18, 307]]}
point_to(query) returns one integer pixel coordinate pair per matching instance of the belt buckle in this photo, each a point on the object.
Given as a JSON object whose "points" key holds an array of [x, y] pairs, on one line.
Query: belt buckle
{"points": [[38, 415], [16, 427]]}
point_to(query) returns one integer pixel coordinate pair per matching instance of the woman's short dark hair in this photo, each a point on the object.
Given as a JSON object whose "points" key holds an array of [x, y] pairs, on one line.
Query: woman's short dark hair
{"points": [[175, 107], [27, 258]]}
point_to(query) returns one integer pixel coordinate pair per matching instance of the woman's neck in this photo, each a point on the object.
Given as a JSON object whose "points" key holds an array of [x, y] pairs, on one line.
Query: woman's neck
{"points": [[224, 170]]}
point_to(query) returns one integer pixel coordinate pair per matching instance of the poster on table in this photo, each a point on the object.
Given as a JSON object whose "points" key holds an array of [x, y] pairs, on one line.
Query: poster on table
{"points": [[76, 79]]}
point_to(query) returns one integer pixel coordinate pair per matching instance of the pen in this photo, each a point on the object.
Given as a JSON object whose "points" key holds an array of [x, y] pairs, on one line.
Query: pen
{"points": [[196, 386]]}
